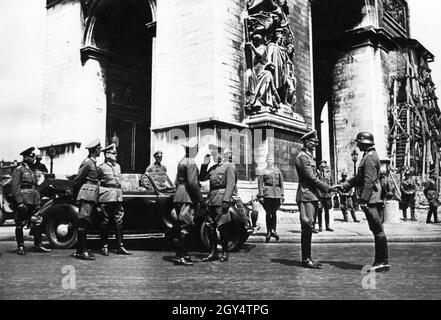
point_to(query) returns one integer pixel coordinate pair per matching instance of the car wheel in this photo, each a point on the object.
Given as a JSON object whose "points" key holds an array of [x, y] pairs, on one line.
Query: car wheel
{"points": [[2, 216], [232, 243], [62, 231], [166, 215]]}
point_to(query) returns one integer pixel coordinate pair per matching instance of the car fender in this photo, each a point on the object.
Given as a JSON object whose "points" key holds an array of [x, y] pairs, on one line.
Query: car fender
{"points": [[50, 209]]}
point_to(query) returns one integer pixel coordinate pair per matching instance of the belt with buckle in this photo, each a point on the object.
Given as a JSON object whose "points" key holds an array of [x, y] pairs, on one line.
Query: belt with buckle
{"points": [[27, 187], [111, 185]]}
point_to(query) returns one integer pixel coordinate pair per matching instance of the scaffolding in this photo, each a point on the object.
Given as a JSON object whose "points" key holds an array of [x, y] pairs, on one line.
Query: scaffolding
{"points": [[414, 116]]}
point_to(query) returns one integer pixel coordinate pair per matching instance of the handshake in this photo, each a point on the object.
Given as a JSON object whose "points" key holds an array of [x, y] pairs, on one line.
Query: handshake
{"points": [[337, 188]]}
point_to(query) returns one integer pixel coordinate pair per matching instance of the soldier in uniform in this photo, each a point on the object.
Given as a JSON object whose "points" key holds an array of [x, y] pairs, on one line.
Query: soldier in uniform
{"points": [[110, 198], [408, 191], [325, 202], [222, 185], [87, 180], [187, 198], [271, 195], [432, 195], [156, 166], [307, 195], [368, 186], [27, 202], [346, 203]]}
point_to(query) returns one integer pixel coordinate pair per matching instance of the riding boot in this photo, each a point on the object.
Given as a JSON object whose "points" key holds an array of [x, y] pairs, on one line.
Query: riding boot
{"points": [[429, 216], [435, 216], [82, 246], [213, 245], [274, 226], [269, 222], [412, 214], [120, 243], [38, 240], [354, 217], [405, 214], [19, 238], [305, 240], [225, 255], [104, 242], [345, 216]]}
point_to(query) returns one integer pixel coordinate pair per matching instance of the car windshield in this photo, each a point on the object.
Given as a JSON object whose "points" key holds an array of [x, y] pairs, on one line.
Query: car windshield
{"points": [[162, 181]]}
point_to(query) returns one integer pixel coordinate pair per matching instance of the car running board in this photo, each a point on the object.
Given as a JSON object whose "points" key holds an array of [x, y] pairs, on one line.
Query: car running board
{"points": [[158, 235]]}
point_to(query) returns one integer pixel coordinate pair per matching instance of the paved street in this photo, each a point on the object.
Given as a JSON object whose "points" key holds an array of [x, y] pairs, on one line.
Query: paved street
{"points": [[260, 271]]}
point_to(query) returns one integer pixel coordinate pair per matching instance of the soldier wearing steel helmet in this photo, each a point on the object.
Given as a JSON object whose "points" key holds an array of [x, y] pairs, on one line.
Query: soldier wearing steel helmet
{"points": [[27, 202], [308, 195], [87, 199], [346, 202], [370, 195]]}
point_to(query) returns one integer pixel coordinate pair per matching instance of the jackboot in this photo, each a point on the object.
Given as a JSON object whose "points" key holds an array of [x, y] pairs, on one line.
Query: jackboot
{"points": [[305, 239], [104, 242], [405, 214], [38, 240], [354, 217], [225, 255], [269, 224], [435, 216], [213, 246], [412, 215], [119, 241], [345, 216], [82, 252], [19, 238], [274, 227]]}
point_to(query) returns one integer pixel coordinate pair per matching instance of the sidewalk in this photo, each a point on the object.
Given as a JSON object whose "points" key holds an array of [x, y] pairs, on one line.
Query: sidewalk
{"points": [[288, 228]]}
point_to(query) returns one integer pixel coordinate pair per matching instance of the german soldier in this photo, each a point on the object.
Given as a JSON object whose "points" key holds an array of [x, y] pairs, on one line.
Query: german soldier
{"points": [[368, 186], [346, 202], [27, 202], [187, 198], [110, 198], [271, 195], [408, 191], [432, 195], [325, 202], [87, 198], [307, 194], [222, 185], [156, 166]]}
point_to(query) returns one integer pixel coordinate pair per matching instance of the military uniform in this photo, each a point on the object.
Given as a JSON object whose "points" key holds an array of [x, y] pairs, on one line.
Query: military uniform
{"points": [[408, 191], [346, 202], [27, 204], [307, 197], [431, 193], [87, 198], [325, 202], [222, 184], [110, 198], [187, 198], [271, 191], [369, 191], [156, 168]]}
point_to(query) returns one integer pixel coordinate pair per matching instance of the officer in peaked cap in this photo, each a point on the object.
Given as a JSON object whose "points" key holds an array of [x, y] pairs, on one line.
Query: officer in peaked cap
{"points": [[87, 199], [157, 166], [110, 199], [187, 198], [370, 197], [308, 195], [27, 202]]}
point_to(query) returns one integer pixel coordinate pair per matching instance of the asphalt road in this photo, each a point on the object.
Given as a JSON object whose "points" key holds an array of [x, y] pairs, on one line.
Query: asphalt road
{"points": [[261, 271]]}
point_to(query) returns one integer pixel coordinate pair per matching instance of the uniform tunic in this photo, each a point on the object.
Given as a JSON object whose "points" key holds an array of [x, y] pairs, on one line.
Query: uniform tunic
{"points": [[24, 191], [156, 168], [87, 178], [408, 191], [110, 193], [270, 183]]}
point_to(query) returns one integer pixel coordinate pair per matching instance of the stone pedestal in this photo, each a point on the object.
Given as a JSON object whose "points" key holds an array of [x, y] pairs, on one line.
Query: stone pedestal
{"points": [[392, 212]]}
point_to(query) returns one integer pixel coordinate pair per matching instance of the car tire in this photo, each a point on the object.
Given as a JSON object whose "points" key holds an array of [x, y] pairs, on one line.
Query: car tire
{"points": [[233, 243], [2, 216], [62, 230]]}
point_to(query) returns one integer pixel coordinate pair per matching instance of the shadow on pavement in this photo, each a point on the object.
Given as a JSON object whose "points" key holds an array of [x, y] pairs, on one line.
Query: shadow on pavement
{"points": [[287, 262], [343, 265]]}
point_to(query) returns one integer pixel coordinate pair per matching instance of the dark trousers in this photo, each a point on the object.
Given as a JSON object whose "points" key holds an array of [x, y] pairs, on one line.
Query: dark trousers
{"points": [[323, 206], [112, 211], [432, 210], [27, 215], [307, 212], [271, 205], [183, 227], [346, 204], [375, 215]]}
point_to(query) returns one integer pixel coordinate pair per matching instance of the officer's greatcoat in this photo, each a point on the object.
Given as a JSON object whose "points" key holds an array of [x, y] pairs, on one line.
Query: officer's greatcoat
{"points": [[187, 185]]}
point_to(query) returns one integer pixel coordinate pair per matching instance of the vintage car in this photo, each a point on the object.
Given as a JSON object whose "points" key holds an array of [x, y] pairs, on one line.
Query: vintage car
{"points": [[148, 204], [6, 207]]}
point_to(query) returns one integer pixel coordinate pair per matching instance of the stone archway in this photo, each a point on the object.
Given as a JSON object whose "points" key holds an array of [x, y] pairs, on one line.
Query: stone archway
{"points": [[120, 35]]}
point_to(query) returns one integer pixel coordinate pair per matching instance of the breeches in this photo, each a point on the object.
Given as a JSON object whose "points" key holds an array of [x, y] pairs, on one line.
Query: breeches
{"points": [[307, 212], [216, 217], [27, 214], [114, 211]]}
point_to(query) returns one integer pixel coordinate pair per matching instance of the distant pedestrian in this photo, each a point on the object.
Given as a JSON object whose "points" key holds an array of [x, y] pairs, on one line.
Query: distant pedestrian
{"points": [[346, 202], [271, 195], [325, 200], [408, 191], [432, 195]]}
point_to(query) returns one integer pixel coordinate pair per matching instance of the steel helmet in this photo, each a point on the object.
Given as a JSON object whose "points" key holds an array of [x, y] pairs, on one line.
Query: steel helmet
{"points": [[365, 137]]}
